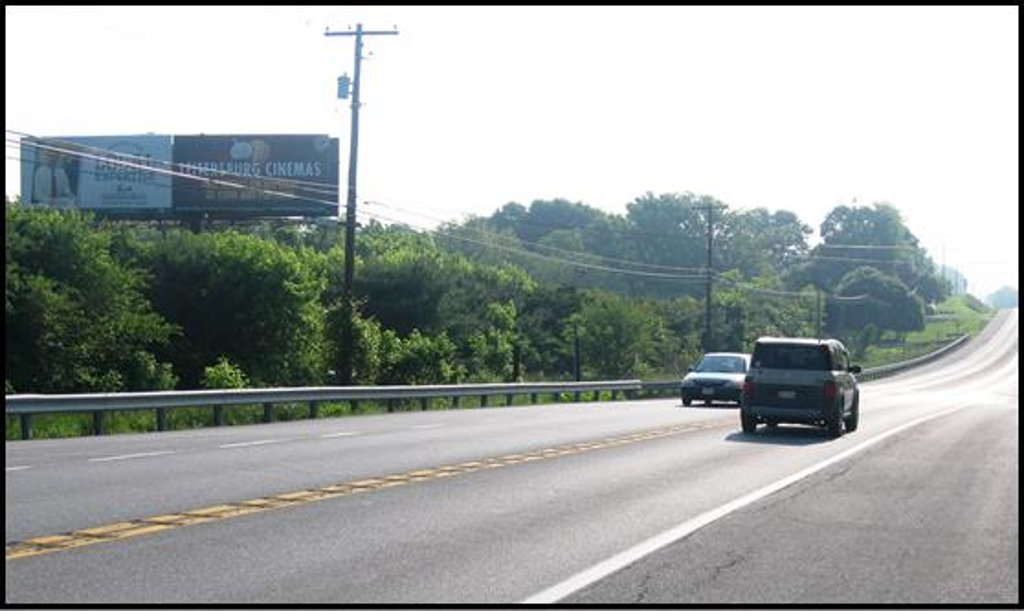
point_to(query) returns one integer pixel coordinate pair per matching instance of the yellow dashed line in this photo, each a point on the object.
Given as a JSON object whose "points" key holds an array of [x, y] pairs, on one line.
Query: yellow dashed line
{"points": [[134, 528], [110, 530], [168, 519], [142, 529]]}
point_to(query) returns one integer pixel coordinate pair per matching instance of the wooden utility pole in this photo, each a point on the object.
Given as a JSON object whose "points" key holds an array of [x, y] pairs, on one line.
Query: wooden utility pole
{"points": [[707, 295], [350, 206]]}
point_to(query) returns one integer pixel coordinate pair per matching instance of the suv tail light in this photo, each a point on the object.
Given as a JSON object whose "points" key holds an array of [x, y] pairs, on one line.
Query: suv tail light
{"points": [[748, 389], [831, 390]]}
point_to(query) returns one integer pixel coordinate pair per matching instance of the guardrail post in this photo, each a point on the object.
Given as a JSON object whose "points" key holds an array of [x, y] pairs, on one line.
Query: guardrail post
{"points": [[161, 418], [354, 405], [218, 415], [314, 410], [615, 393], [533, 397], [268, 412], [26, 426], [97, 423], [576, 396], [391, 405], [455, 402], [508, 400], [483, 400], [424, 404]]}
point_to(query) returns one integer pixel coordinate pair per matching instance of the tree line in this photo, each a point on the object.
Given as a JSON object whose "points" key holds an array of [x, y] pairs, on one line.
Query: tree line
{"points": [[100, 306]]}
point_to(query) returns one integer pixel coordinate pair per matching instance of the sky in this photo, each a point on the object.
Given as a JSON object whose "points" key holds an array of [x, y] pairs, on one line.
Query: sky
{"points": [[469, 108]]}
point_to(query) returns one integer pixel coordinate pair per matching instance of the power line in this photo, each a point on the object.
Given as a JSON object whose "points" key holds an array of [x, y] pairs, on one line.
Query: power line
{"points": [[587, 228], [385, 218], [114, 161], [542, 246], [868, 246], [752, 288], [569, 262], [845, 259]]}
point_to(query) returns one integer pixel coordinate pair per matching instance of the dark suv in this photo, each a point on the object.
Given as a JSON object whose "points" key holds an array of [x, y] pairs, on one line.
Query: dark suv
{"points": [[808, 381]]}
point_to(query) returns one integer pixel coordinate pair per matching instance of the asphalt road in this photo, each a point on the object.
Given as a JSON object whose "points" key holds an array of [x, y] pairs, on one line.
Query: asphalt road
{"points": [[919, 505]]}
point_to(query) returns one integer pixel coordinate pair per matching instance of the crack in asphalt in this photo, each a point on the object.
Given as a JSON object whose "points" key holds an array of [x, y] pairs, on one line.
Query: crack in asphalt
{"points": [[645, 584], [801, 488], [734, 558]]}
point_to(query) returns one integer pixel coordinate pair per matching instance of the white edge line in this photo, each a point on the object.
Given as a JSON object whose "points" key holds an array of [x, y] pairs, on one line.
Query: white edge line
{"points": [[631, 555], [341, 434], [251, 443], [17, 468], [128, 456], [426, 426]]}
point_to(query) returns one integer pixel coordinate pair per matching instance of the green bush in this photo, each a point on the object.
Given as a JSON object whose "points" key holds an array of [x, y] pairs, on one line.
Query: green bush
{"points": [[224, 374]]}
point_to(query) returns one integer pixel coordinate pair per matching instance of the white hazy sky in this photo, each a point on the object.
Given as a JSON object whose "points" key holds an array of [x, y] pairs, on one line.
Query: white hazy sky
{"points": [[469, 108]]}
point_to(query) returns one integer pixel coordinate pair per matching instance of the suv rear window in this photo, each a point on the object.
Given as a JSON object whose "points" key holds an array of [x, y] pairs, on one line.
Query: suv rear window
{"points": [[782, 356]]}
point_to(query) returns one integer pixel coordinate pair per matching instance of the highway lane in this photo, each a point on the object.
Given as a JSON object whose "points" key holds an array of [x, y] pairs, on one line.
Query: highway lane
{"points": [[69, 483], [913, 521], [500, 534]]}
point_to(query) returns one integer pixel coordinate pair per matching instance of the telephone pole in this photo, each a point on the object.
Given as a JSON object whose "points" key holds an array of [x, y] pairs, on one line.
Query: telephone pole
{"points": [[707, 295], [817, 310], [350, 206]]}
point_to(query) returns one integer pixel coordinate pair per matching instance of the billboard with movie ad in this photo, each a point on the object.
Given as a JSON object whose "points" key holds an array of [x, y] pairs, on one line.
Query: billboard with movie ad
{"points": [[255, 175]]}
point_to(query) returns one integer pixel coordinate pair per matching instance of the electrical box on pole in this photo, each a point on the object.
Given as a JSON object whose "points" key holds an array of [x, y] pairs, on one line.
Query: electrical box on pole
{"points": [[344, 86]]}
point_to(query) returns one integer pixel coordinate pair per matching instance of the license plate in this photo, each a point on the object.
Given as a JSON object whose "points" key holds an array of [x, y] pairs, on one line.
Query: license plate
{"points": [[708, 391], [787, 394]]}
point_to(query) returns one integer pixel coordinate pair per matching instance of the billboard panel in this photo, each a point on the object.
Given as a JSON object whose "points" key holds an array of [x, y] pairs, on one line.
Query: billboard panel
{"points": [[100, 173], [256, 175]]}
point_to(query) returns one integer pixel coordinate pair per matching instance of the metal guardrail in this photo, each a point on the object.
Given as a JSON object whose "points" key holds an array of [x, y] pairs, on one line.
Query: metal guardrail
{"points": [[671, 385], [872, 373], [882, 371], [99, 404]]}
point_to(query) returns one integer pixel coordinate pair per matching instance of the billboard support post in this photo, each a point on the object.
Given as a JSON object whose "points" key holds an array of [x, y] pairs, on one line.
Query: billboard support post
{"points": [[350, 208]]}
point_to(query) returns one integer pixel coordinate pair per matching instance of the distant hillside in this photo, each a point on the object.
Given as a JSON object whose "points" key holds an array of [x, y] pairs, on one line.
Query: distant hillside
{"points": [[1006, 297]]}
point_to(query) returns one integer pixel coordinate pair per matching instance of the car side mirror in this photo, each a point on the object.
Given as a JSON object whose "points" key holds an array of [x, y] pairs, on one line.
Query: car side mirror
{"points": [[689, 368], [855, 369]]}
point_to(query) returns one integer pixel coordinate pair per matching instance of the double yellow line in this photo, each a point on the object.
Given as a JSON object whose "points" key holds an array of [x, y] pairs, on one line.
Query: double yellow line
{"points": [[155, 524]]}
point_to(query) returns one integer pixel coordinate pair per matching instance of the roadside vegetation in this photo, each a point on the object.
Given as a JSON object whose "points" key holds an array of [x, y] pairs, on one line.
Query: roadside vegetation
{"points": [[102, 306]]}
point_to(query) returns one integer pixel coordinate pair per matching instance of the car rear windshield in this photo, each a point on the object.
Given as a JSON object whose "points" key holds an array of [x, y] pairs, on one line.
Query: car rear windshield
{"points": [[783, 356], [721, 364]]}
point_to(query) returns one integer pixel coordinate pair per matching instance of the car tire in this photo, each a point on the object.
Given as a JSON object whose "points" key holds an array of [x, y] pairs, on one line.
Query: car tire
{"points": [[853, 420], [687, 401], [834, 422], [748, 422]]}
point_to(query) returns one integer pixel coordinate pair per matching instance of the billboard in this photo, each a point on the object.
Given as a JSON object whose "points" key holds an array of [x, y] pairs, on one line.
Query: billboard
{"points": [[117, 174], [256, 175]]}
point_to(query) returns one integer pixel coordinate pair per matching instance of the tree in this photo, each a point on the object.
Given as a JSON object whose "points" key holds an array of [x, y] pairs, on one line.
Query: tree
{"points": [[758, 242], [850, 232], [546, 312], [247, 298], [77, 319], [619, 338], [491, 349], [886, 303]]}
